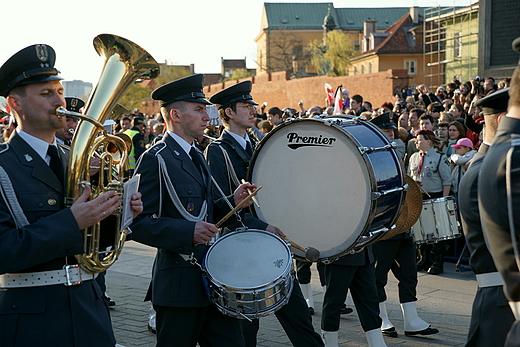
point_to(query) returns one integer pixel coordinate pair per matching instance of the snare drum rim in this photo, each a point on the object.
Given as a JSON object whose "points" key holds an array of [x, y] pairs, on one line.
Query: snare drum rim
{"points": [[283, 275]]}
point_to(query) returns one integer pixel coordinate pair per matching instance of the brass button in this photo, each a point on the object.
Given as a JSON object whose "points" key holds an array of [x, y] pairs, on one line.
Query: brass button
{"points": [[51, 202]]}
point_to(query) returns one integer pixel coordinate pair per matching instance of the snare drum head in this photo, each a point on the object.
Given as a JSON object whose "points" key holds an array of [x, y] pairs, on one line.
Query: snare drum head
{"points": [[315, 185], [248, 259]]}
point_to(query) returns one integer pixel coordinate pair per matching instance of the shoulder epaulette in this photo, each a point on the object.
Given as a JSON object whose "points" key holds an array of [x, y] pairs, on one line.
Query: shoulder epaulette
{"points": [[4, 147], [63, 146]]}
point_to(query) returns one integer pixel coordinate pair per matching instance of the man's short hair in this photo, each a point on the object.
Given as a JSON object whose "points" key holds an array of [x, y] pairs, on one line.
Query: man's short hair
{"points": [[358, 98], [275, 111], [418, 111], [427, 116]]}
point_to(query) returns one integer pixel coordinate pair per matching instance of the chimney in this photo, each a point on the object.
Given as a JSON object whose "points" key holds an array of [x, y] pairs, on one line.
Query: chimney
{"points": [[414, 13], [369, 27]]}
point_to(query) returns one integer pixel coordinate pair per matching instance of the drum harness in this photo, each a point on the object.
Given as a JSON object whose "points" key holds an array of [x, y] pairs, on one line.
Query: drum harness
{"points": [[163, 174]]}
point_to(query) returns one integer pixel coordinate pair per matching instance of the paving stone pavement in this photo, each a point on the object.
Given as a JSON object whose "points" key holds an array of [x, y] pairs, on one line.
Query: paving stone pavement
{"points": [[444, 301]]}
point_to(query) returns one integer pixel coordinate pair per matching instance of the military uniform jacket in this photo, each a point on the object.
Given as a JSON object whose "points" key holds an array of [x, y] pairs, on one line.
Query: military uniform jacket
{"points": [[175, 282], [219, 170], [493, 204], [76, 315], [435, 172], [491, 316], [480, 258]]}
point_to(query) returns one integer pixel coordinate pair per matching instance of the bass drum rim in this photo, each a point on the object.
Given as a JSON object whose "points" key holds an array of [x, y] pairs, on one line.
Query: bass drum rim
{"points": [[367, 167]]}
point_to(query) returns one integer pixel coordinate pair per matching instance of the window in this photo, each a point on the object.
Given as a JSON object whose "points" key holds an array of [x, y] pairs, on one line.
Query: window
{"points": [[370, 67], [363, 69], [410, 66], [356, 45], [457, 45], [355, 70]]}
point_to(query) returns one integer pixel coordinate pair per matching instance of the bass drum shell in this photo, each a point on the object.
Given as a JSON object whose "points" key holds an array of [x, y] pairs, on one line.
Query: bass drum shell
{"points": [[317, 185]]}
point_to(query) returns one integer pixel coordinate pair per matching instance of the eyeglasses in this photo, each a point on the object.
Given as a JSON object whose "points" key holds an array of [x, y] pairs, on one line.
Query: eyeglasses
{"points": [[250, 107]]}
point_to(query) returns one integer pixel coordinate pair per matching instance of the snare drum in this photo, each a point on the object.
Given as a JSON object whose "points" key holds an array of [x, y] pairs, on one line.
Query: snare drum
{"points": [[438, 221], [334, 184], [249, 273]]}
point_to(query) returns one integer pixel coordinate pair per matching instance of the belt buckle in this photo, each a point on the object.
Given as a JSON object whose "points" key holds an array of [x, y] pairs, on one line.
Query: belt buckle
{"points": [[68, 269]]}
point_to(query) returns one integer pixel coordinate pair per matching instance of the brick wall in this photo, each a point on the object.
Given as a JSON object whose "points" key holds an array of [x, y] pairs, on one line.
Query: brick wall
{"points": [[278, 90]]}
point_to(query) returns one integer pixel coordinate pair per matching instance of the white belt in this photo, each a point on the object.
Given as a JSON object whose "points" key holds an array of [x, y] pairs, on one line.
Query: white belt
{"points": [[490, 279], [70, 275]]}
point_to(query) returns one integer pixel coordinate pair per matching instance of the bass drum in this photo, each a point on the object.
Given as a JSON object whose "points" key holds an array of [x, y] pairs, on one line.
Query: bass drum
{"points": [[333, 184]]}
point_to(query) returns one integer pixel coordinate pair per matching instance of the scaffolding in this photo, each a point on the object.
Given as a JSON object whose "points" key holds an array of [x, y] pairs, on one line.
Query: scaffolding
{"points": [[450, 44]]}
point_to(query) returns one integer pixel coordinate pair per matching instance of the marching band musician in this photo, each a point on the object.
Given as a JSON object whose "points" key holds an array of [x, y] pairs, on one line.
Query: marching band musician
{"points": [[431, 171], [45, 298], [228, 158], [65, 134], [498, 196], [398, 254], [177, 219], [491, 316]]}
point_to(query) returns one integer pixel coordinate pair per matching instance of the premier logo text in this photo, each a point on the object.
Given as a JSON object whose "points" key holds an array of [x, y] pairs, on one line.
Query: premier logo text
{"points": [[297, 141]]}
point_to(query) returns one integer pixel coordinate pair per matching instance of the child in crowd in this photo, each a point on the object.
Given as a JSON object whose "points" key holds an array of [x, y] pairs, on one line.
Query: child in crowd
{"points": [[464, 152]]}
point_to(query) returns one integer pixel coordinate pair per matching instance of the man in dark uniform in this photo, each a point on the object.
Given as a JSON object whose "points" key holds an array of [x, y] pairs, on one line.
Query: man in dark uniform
{"points": [[354, 272], [491, 316], [178, 220], [398, 254], [499, 192], [45, 298], [65, 134], [228, 158]]}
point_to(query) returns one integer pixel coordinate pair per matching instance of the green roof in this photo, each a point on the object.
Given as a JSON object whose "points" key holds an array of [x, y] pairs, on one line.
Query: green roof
{"points": [[310, 15]]}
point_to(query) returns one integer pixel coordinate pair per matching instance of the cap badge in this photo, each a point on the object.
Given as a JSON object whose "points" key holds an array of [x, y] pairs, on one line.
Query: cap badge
{"points": [[42, 53], [74, 102]]}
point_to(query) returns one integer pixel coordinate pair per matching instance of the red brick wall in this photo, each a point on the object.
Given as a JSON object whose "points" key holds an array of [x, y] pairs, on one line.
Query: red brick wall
{"points": [[278, 90]]}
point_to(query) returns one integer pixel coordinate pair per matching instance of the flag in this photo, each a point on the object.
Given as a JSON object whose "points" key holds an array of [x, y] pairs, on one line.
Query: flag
{"points": [[330, 94], [337, 100]]}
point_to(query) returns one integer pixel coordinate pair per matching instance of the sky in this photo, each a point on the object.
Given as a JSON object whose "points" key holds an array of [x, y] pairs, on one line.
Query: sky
{"points": [[181, 32]]}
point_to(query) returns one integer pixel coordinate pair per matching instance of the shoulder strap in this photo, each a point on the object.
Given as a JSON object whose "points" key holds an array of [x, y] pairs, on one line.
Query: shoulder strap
{"points": [[7, 192]]}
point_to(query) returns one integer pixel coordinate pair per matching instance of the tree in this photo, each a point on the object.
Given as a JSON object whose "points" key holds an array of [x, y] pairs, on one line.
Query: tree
{"points": [[332, 58], [284, 49], [136, 94], [237, 74]]}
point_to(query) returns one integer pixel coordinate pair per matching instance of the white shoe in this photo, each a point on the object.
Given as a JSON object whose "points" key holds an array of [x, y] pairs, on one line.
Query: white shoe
{"points": [[375, 338], [307, 294], [386, 324], [330, 338], [412, 322], [152, 326]]}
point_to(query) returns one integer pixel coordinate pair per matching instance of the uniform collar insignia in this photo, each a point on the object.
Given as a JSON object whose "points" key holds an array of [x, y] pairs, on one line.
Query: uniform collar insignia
{"points": [[28, 157], [176, 153]]}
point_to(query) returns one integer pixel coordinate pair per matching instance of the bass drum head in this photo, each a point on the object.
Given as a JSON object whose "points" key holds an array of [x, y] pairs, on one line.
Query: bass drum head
{"points": [[315, 185]]}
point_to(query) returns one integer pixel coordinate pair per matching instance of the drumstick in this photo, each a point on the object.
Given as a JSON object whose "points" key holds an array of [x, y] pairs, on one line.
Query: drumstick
{"points": [[424, 190], [311, 253], [249, 191], [238, 207]]}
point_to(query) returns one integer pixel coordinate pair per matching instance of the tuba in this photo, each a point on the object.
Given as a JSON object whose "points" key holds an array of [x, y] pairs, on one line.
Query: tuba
{"points": [[125, 62]]}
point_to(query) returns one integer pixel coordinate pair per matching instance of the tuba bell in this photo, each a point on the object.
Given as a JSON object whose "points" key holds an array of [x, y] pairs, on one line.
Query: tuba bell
{"points": [[124, 63]]}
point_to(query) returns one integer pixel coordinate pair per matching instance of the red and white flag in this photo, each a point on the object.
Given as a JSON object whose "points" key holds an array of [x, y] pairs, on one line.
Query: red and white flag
{"points": [[337, 100], [330, 94]]}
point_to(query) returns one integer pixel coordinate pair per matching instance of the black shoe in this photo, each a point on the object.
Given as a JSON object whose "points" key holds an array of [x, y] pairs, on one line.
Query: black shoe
{"points": [[435, 270], [109, 301], [390, 332], [152, 329], [346, 310], [311, 311], [427, 331]]}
